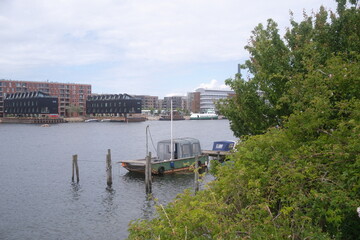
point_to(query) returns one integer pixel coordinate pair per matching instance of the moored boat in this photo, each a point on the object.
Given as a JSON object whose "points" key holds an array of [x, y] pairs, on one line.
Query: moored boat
{"points": [[220, 150], [175, 116], [92, 120], [186, 151], [209, 115]]}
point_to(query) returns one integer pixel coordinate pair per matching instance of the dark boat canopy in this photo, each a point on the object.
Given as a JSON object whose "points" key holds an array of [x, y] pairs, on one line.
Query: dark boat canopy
{"points": [[183, 148], [223, 145]]}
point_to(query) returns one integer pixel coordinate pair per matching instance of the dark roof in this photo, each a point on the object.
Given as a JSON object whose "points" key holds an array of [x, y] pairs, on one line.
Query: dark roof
{"points": [[36, 94], [110, 97]]}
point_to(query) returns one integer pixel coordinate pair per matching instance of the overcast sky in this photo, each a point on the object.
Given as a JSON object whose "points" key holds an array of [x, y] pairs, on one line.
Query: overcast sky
{"points": [[157, 47]]}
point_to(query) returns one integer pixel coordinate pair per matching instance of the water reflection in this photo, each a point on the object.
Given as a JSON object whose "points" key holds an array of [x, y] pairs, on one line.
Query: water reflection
{"points": [[75, 190], [131, 176], [108, 200], [148, 209]]}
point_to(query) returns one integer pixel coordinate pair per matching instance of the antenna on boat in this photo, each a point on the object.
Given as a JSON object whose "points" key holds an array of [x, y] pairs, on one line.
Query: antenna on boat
{"points": [[171, 130], [147, 144]]}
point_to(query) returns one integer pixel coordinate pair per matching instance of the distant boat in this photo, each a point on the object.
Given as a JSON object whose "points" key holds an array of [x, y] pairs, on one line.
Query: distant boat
{"points": [[209, 115], [92, 120], [175, 116], [135, 118]]}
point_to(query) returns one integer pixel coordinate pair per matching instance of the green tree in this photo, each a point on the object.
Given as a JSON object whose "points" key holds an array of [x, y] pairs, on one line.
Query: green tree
{"points": [[301, 179], [73, 109], [276, 64]]}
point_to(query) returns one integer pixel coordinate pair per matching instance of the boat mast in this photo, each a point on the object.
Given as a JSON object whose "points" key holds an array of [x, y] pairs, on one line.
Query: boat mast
{"points": [[171, 130], [147, 144]]}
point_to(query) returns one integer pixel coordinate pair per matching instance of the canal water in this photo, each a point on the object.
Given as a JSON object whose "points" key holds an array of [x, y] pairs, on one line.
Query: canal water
{"points": [[39, 201]]}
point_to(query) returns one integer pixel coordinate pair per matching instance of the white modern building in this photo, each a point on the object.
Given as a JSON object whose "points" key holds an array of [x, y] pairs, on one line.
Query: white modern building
{"points": [[209, 97]]}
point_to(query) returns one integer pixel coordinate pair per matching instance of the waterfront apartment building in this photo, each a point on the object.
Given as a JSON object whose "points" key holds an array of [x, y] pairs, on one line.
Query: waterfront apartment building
{"points": [[178, 102], [148, 102], [112, 105], [209, 97], [193, 102], [71, 96], [30, 104]]}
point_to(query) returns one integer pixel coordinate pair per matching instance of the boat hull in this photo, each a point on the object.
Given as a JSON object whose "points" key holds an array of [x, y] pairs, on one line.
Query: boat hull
{"points": [[204, 116], [167, 166]]}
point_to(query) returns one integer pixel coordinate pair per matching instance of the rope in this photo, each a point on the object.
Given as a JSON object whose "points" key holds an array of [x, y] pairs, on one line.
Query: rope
{"points": [[112, 164], [90, 161], [152, 142]]}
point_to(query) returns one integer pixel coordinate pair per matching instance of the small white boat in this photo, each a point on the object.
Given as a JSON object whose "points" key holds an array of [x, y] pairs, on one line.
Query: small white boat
{"points": [[209, 115], [91, 120]]}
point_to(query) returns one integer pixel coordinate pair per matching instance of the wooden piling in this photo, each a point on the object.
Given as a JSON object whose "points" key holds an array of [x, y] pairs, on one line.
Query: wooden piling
{"points": [[196, 180], [148, 181], [109, 169], [75, 168]]}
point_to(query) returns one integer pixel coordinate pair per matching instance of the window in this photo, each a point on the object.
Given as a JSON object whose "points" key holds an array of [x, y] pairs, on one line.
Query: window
{"points": [[186, 150], [219, 146], [196, 149]]}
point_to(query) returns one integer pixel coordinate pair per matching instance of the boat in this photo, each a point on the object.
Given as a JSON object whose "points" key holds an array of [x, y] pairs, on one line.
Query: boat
{"points": [[186, 151], [220, 150], [135, 118], [209, 115], [175, 116], [92, 120], [173, 155]]}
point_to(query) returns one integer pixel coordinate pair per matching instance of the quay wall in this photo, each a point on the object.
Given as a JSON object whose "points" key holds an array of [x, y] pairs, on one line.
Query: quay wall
{"points": [[33, 120]]}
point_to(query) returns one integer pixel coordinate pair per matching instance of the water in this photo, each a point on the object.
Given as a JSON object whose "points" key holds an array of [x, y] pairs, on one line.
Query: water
{"points": [[39, 201]]}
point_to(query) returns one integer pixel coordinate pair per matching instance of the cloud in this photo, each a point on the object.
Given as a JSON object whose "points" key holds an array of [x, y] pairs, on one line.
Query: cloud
{"points": [[82, 31], [133, 41], [215, 85], [175, 94]]}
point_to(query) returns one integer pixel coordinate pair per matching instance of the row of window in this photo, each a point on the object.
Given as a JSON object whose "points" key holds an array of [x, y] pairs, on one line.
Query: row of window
{"points": [[27, 110], [22, 104], [112, 110], [106, 104]]}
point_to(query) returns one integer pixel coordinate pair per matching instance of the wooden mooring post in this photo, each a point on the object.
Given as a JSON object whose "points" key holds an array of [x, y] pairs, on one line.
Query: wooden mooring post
{"points": [[75, 168], [108, 169], [148, 181], [196, 180]]}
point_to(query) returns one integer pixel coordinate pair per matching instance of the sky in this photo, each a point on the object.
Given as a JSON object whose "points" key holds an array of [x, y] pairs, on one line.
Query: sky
{"points": [[158, 47]]}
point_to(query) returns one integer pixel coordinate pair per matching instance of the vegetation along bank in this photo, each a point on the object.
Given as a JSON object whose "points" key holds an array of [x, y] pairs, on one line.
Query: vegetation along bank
{"points": [[296, 174]]}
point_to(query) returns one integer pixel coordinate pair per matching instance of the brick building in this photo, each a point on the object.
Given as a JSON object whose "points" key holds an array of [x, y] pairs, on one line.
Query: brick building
{"points": [[71, 96], [193, 102], [148, 102], [204, 100], [177, 101]]}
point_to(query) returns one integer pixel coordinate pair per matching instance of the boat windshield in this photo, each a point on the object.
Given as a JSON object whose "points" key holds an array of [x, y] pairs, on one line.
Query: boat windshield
{"points": [[183, 148]]}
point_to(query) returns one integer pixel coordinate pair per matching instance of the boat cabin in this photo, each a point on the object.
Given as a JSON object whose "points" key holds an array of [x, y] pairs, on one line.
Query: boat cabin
{"points": [[223, 145], [183, 148]]}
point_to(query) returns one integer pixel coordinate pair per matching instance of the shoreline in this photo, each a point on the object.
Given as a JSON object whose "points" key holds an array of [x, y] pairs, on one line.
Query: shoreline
{"points": [[75, 119]]}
